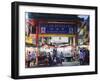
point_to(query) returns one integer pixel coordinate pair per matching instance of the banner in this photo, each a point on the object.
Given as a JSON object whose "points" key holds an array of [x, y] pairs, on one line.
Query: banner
{"points": [[58, 28]]}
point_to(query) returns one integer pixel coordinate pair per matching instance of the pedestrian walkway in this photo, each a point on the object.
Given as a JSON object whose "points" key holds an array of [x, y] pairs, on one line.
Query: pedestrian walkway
{"points": [[75, 63]]}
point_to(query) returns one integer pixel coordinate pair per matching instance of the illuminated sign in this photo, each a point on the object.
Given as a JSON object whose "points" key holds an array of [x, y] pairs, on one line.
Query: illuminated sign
{"points": [[30, 40], [58, 28]]}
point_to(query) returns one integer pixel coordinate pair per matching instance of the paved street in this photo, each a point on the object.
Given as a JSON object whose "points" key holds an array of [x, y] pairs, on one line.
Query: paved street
{"points": [[75, 63]]}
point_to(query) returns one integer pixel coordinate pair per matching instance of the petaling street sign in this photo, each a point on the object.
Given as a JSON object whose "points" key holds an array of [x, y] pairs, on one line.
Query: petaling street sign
{"points": [[58, 28]]}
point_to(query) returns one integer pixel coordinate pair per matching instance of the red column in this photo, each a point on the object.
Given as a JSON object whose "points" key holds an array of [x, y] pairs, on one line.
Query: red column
{"points": [[34, 22]]}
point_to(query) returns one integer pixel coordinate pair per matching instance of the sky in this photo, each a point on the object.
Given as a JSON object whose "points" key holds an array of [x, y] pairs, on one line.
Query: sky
{"points": [[83, 16]]}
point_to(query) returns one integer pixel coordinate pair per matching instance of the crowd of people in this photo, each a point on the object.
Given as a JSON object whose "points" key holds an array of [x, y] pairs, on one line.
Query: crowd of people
{"points": [[44, 59], [84, 56], [30, 58], [52, 59]]}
